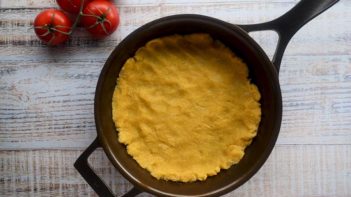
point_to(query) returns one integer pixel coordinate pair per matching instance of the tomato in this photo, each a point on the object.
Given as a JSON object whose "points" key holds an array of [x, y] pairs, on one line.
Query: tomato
{"points": [[52, 26], [100, 18], [72, 6]]}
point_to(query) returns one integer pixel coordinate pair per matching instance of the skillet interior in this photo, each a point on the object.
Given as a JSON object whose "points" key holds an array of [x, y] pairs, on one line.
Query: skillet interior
{"points": [[262, 73]]}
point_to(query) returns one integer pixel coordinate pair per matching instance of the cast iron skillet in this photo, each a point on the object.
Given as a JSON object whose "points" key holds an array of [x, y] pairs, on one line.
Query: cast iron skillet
{"points": [[263, 73]]}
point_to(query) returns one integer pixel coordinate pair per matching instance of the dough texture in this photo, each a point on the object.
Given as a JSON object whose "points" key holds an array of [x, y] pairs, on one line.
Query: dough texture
{"points": [[185, 108]]}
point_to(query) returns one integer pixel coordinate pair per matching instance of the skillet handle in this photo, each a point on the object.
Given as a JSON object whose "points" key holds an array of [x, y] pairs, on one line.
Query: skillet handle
{"points": [[289, 23], [92, 178]]}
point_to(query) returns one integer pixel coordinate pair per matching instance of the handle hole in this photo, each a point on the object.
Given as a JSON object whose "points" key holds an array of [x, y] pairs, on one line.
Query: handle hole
{"points": [[99, 162], [268, 41]]}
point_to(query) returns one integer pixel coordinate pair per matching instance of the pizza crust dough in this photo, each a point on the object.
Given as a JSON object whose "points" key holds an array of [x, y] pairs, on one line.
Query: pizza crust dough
{"points": [[185, 108]]}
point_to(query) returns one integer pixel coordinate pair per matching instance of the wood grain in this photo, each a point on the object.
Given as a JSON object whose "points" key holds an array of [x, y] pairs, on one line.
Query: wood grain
{"points": [[319, 170], [47, 95]]}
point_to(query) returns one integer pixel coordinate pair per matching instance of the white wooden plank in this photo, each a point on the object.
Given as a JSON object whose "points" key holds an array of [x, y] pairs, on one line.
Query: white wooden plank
{"points": [[54, 115], [316, 99], [51, 173], [302, 170]]}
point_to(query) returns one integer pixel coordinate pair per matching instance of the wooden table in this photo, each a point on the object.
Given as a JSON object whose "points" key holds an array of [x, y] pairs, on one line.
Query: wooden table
{"points": [[47, 95]]}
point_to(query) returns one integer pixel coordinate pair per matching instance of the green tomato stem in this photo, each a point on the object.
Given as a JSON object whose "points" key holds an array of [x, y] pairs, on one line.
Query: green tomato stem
{"points": [[78, 18]]}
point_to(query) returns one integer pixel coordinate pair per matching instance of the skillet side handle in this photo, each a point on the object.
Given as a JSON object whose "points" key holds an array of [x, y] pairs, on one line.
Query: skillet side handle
{"points": [[92, 178], [289, 23]]}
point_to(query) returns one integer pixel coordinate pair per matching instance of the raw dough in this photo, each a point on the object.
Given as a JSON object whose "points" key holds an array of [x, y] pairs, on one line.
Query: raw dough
{"points": [[185, 108]]}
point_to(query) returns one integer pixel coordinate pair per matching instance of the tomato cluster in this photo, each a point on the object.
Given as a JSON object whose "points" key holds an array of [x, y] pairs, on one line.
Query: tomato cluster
{"points": [[99, 17]]}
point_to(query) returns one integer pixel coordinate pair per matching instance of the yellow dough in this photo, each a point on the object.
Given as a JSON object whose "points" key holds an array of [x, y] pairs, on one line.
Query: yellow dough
{"points": [[185, 108]]}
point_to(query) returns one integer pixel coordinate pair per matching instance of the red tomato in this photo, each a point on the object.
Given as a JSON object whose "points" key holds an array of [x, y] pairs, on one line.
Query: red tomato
{"points": [[72, 6], [52, 26], [100, 18]]}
